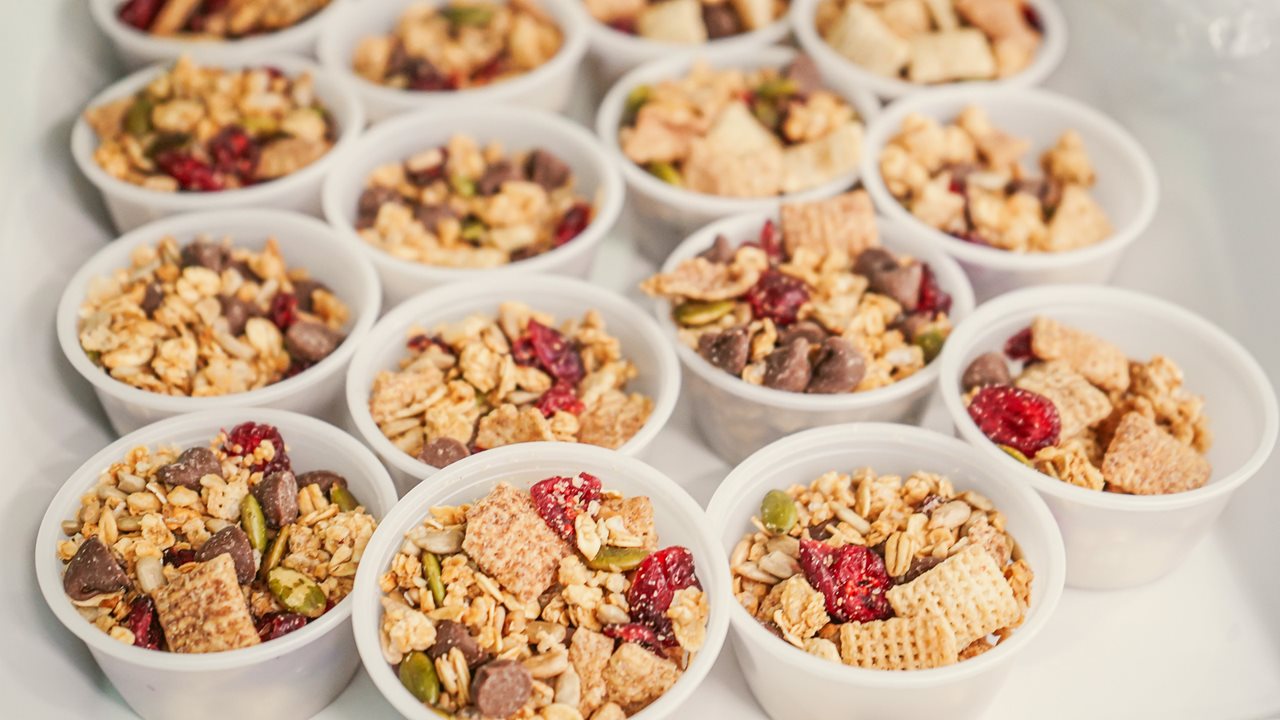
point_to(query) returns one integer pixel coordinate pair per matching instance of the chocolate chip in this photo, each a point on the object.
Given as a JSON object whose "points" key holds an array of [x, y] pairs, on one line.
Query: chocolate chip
{"points": [[787, 368], [490, 182], [901, 283], [371, 201], [278, 495], [838, 369], [326, 479], [206, 254], [804, 72], [919, 566], [720, 252], [726, 350], [442, 451], [822, 530], [501, 687], [233, 541], [911, 325], [874, 260], [807, 329], [237, 312], [986, 369], [547, 170], [310, 341], [246, 272], [721, 20], [93, 570], [305, 291], [193, 464], [451, 634], [152, 298], [432, 215]]}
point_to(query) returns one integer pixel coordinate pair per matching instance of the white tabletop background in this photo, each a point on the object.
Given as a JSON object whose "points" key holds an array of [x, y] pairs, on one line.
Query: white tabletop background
{"points": [[1201, 643]]}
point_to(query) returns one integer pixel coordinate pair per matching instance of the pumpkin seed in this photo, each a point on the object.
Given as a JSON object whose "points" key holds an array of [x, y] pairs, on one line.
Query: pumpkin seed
{"points": [[778, 511], [930, 341], [296, 592], [254, 522], [276, 553], [1016, 454], [617, 558], [343, 498], [418, 675], [467, 15], [636, 99], [666, 172], [695, 313], [431, 566], [137, 120]]}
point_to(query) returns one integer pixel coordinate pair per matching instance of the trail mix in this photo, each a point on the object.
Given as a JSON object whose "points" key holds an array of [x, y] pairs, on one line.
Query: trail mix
{"points": [[933, 41], [204, 129], [462, 206], [966, 179], [742, 133], [485, 381], [460, 45], [216, 19], [686, 21], [551, 603], [208, 318], [815, 305], [1079, 410], [213, 547], [880, 572]]}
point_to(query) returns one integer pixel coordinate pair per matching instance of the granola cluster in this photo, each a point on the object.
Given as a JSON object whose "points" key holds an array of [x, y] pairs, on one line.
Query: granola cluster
{"points": [[966, 179], [933, 41], [462, 44], [213, 547], [880, 572], [813, 306], [208, 319], [216, 19], [204, 129], [463, 206], [484, 382], [742, 133], [686, 21], [1081, 411], [553, 603]]}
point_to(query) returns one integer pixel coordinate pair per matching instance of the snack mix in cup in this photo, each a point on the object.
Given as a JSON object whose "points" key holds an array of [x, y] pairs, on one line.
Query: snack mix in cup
{"points": [[212, 548], [1080, 411], [484, 382], [815, 305], [462, 44], [936, 41], [735, 133], [208, 319], [215, 19], [466, 207], [204, 129], [966, 179], [598, 621], [686, 21], [880, 572]]}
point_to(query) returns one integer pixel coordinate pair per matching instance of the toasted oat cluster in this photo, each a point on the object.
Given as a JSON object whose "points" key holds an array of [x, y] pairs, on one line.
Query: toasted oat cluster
{"points": [[551, 603], [1078, 409], [966, 179], [742, 133], [212, 547], [204, 129], [933, 41], [208, 319], [466, 207], [686, 21], [815, 306], [216, 19], [485, 381], [462, 44], [880, 572]]}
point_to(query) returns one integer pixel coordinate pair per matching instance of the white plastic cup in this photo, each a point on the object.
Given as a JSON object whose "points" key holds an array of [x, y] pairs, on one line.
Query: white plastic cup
{"points": [[668, 213], [136, 48], [737, 418], [547, 87], [1127, 188], [290, 677], [1052, 47], [596, 179], [679, 521], [1115, 540], [791, 684], [304, 242], [132, 205], [658, 374]]}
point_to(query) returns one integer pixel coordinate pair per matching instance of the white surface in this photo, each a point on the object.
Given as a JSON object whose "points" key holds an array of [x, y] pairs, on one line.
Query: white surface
{"points": [[1203, 642]]}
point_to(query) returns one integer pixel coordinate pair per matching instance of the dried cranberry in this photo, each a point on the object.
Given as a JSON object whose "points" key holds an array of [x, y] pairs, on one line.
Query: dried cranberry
{"points": [[425, 77], [560, 396], [1032, 16], [1018, 346], [559, 500], [932, 298], [771, 242], [522, 351], [852, 579], [1021, 419], [575, 220], [246, 437], [624, 25], [279, 624], [490, 70], [177, 558], [641, 635], [556, 354], [139, 13], [969, 236], [421, 341], [234, 152], [424, 176], [190, 172], [777, 296], [653, 586], [296, 366], [144, 624], [284, 310]]}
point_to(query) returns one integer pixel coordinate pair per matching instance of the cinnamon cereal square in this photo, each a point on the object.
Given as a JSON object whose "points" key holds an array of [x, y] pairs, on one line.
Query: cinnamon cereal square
{"points": [[1143, 459], [843, 224], [1100, 362], [204, 610], [510, 542], [1079, 403]]}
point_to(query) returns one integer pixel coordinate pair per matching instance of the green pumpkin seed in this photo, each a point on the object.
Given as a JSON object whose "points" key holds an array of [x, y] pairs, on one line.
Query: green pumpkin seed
{"points": [[137, 120], [276, 553], [1016, 454], [778, 511], [636, 99], [418, 675], [930, 341], [343, 498], [166, 142], [297, 592], [473, 229], [431, 566], [467, 15], [463, 185], [260, 124], [254, 522], [695, 313], [766, 111], [777, 88], [666, 172], [617, 559]]}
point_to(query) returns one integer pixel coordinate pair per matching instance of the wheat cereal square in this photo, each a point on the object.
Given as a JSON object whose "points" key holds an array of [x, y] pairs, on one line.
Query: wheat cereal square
{"points": [[589, 653], [1144, 459], [511, 543], [635, 677], [204, 610], [1079, 403], [843, 224], [1100, 362], [901, 643], [968, 590]]}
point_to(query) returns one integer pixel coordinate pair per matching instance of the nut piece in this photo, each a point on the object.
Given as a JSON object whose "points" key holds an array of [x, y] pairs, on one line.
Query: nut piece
{"points": [[193, 464], [501, 687], [233, 541], [93, 571]]}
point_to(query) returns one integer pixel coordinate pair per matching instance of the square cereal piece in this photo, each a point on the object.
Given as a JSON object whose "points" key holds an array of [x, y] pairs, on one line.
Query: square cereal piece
{"points": [[204, 610], [635, 677], [1077, 222], [863, 37], [1143, 459], [1079, 403], [967, 590], [755, 14], [733, 174], [810, 164], [946, 56], [1100, 362], [636, 514], [675, 21], [845, 224], [589, 653], [510, 542], [900, 643]]}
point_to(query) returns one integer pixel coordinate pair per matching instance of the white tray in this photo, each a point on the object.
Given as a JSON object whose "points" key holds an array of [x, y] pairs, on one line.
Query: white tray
{"points": [[1202, 643]]}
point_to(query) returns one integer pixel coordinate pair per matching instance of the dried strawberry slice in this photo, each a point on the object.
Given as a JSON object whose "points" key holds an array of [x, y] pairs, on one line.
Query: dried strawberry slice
{"points": [[144, 624], [560, 396], [139, 13], [777, 296], [852, 579], [246, 437], [932, 298], [575, 220], [279, 624], [190, 172], [654, 584], [559, 500], [1019, 418], [1018, 346], [234, 152], [636, 633], [284, 310], [771, 242], [556, 354]]}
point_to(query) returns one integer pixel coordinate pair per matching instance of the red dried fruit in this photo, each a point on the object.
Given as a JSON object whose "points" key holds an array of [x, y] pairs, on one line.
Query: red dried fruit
{"points": [[1021, 419], [1032, 16], [623, 25], [559, 499], [932, 298], [284, 310], [424, 76], [555, 353], [560, 396], [522, 351], [246, 437], [641, 635], [852, 579], [490, 70], [957, 185], [234, 152], [575, 220], [653, 585], [424, 176], [777, 296], [279, 624], [970, 236], [295, 366], [1018, 346], [191, 173], [177, 558], [771, 242], [139, 13], [144, 624]]}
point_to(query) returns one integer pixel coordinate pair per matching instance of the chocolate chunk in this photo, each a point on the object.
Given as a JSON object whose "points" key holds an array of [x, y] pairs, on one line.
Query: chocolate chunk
{"points": [[901, 283], [442, 451], [93, 570], [305, 291], [432, 215], [230, 540], [326, 479], [787, 368], [803, 71], [720, 252], [547, 170], [807, 329], [986, 369], [500, 688], [838, 369], [911, 325], [726, 350], [721, 20], [822, 530], [490, 182], [451, 634], [371, 201], [919, 566], [310, 341], [278, 495], [237, 312], [193, 464], [152, 298], [874, 260], [204, 254]]}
